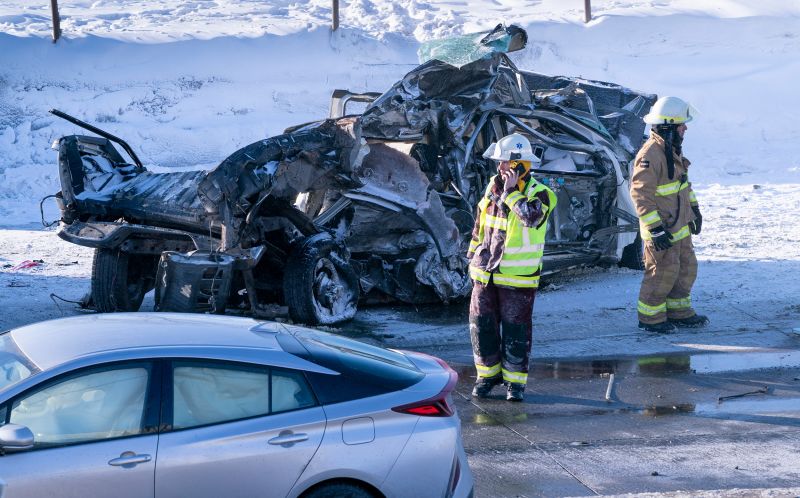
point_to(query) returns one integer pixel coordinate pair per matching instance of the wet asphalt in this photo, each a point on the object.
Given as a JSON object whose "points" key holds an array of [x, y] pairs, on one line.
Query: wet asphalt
{"points": [[666, 427], [724, 415]]}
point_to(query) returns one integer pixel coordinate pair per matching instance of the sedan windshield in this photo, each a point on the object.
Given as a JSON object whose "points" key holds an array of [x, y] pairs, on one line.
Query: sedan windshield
{"points": [[14, 366]]}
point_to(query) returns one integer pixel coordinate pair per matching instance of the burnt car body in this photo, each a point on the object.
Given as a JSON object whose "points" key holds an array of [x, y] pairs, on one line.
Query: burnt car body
{"points": [[371, 206]]}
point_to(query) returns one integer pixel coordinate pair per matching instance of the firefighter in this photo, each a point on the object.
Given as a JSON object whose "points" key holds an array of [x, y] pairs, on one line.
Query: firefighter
{"points": [[505, 262], [668, 217]]}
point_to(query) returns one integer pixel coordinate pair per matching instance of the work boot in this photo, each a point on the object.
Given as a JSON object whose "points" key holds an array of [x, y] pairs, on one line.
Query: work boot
{"points": [[658, 328], [692, 322], [484, 385], [515, 391]]}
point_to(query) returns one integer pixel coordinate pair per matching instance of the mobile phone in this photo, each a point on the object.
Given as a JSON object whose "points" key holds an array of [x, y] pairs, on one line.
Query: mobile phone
{"points": [[519, 168]]}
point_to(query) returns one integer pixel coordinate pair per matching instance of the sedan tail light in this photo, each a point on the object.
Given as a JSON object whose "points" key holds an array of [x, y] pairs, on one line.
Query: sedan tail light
{"points": [[436, 406]]}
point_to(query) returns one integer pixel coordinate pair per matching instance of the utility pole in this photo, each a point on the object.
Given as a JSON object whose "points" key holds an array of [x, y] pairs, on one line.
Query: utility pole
{"points": [[587, 7], [56, 20], [335, 14]]}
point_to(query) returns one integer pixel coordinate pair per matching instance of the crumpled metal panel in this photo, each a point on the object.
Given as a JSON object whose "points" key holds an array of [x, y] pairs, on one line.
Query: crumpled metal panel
{"points": [[317, 156], [440, 99], [617, 109], [395, 201]]}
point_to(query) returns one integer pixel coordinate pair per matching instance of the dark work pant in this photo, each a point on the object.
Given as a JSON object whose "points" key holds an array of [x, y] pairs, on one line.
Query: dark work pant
{"points": [[500, 326]]}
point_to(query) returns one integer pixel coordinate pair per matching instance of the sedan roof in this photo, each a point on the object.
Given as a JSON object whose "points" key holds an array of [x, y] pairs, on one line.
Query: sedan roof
{"points": [[57, 341]]}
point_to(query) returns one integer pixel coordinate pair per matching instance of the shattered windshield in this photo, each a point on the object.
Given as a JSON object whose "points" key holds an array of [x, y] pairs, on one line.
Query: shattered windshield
{"points": [[461, 50], [14, 366]]}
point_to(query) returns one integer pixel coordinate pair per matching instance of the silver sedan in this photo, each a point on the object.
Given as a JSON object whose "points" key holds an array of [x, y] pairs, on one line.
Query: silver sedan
{"points": [[165, 405]]}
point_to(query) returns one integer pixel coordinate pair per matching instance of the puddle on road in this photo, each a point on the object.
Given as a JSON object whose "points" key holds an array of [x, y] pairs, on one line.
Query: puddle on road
{"points": [[499, 419], [780, 411], [788, 407], [752, 406], [737, 362], [665, 365]]}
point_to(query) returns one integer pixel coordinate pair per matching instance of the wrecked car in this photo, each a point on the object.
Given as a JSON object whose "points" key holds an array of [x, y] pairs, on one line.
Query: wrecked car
{"points": [[371, 206]]}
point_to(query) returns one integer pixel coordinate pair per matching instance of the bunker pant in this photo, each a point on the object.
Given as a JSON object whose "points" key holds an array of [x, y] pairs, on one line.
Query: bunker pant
{"points": [[667, 283], [501, 330]]}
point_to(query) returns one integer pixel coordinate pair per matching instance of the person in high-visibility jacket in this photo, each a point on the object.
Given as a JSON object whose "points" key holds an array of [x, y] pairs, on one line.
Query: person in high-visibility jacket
{"points": [[669, 215], [505, 263]]}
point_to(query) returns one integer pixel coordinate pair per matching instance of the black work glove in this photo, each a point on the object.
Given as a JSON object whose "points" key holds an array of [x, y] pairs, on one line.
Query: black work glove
{"points": [[694, 226], [662, 239]]}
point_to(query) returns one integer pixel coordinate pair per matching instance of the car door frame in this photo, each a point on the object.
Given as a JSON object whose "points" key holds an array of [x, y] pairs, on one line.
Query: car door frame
{"points": [[150, 422], [168, 434]]}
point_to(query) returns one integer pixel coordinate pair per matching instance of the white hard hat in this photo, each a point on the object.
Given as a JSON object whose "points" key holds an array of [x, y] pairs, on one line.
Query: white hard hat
{"points": [[670, 110], [514, 147]]}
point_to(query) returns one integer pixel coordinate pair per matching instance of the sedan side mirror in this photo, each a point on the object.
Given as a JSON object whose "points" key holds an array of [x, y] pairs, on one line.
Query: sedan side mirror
{"points": [[15, 437]]}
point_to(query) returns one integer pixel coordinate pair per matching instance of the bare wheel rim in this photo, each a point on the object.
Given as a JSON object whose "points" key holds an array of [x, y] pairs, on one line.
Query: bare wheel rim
{"points": [[333, 294]]}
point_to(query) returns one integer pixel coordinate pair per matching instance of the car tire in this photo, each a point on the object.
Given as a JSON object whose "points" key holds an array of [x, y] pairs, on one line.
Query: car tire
{"points": [[633, 255], [319, 285], [339, 490], [120, 280]]}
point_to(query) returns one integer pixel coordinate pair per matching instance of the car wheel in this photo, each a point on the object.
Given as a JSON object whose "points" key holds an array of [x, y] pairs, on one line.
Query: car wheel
{"points": [[633, 254], [319, 285], [120, 280], [339, 490]]}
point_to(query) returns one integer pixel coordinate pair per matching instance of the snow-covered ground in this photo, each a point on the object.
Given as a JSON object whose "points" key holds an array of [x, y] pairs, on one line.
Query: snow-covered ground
{"points": [[186, 83]]}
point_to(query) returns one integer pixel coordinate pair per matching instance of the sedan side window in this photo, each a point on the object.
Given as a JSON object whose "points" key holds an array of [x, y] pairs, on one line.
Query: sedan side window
{"points": [[89, 407], [207, 394], [290, 391]]}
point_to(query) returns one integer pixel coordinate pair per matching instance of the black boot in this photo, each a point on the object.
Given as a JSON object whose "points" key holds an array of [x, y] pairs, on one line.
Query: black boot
{"points": [[659, 328], [515, 391], [692, 322], [484, 385]]}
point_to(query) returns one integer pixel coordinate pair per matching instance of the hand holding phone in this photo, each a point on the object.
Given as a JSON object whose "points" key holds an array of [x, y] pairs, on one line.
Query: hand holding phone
{"points": [[510, 178]]}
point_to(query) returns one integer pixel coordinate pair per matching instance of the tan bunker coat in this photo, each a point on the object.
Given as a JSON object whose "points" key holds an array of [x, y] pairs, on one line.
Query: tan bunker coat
{"points": [[664, 201]]}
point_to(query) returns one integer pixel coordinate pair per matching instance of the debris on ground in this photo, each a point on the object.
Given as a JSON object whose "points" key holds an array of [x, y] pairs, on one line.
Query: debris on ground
{"points": [[27, 264], [763, 390]]}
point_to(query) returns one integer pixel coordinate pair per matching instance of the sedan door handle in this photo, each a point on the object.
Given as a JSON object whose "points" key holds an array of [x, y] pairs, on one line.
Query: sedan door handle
{"points": [[288, 438], [129, 458]]}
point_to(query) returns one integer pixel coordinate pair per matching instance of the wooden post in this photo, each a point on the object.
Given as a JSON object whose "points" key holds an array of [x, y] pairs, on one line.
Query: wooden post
{"points": [[335, 15], [56, 20], [587, 7]]}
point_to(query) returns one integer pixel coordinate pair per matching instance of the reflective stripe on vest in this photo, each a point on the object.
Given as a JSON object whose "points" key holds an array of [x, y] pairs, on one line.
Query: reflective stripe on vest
{"points": [[676, 236], [495, 222], [651, 218], [671, 188], [520, 281], [513, 198]]}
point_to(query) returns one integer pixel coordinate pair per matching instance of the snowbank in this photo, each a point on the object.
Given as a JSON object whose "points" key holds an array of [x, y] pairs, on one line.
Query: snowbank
{"points": [[187, 83]]}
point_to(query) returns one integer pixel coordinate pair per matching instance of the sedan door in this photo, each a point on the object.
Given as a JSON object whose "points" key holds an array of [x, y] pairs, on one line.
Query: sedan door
{"points": [[90, 436], [237, 431]]}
